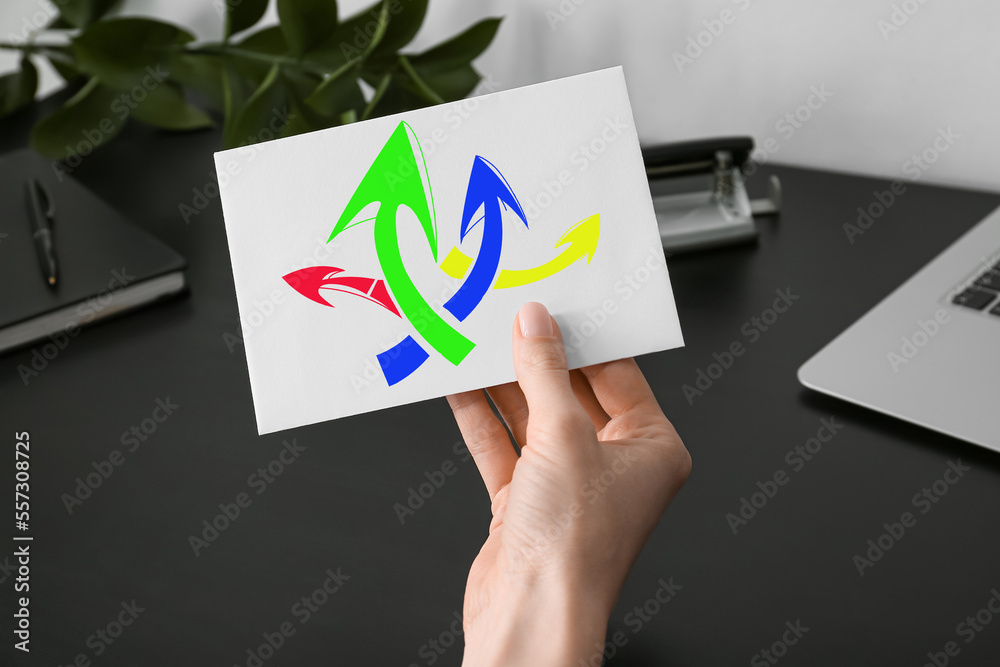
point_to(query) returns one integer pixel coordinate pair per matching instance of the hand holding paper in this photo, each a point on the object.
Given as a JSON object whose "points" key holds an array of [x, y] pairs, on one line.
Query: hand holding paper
{"points": [[599, 463], [443, 221]]}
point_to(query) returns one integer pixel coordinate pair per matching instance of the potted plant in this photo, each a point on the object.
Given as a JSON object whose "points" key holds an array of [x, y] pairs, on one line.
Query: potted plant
{"points": [[312, 64]]}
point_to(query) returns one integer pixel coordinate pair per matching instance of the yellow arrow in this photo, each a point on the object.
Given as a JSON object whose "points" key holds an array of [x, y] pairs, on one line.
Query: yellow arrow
{"points": [[456, 264], [582, 239]]}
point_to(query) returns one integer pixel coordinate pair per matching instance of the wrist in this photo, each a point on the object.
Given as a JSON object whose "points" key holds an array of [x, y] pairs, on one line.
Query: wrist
{"points": [[543, 623]]}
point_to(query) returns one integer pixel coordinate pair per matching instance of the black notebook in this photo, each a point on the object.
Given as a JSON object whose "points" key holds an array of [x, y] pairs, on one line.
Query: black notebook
{"points": [[106, 265]]}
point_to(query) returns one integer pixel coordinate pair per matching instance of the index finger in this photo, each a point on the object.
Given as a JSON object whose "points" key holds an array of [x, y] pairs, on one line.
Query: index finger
{"points": [[486, 439], [621, 388]]}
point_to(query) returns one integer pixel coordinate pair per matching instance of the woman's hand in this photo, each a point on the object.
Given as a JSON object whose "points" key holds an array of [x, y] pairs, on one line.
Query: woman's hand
{"points": [[599, 463]]}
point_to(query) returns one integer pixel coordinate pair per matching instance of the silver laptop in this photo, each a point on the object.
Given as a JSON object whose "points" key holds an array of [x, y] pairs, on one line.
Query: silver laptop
{"points": [[929, 353]]}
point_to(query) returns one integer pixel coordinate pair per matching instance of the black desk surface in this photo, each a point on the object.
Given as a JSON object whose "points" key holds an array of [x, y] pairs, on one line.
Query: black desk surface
{"points": [[333, 508]]}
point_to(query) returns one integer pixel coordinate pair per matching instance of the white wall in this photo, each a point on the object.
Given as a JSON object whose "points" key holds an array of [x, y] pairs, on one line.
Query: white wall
{"points": [[891, 91]]}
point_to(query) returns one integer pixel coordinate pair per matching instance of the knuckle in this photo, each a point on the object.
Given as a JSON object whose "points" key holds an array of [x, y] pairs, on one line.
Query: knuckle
{"points": [[672, 456], [500, 500], [519, 415], [544, 357], [485, 435], [678, 457]]}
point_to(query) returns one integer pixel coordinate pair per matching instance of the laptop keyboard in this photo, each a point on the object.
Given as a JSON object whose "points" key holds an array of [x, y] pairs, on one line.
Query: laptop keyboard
{"points": [[983, 293]]}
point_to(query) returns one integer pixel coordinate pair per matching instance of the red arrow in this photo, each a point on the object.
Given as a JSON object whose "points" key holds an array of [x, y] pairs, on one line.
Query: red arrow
{"points": [[309, 281]]}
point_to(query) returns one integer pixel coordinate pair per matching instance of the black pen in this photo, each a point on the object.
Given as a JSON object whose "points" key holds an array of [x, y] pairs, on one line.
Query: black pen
{"points": [[41, 217]]}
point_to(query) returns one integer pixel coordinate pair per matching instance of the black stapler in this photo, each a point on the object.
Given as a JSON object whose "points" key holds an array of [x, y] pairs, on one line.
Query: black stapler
{"points": [[700, 196]]}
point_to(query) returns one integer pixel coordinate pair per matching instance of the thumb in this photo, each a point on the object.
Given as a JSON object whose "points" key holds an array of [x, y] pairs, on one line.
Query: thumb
{"points": [[540, 365]]}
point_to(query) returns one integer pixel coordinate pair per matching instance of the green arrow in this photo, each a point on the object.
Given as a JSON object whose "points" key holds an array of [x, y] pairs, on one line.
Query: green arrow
{"points": [[397, 178]]}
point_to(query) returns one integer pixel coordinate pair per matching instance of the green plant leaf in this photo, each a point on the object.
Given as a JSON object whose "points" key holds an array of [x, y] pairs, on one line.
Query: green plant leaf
{"points": [[83, 123], [18, 89], [405, 19], [269, 40], [59, 23], [234, 96], [337, 100], [393, 94], [299, 83], [300, 123], [126, 52], [338, 94], [354, 39], [263, 116], [460, 50], [451, 85], [165, 107], [380, 90], [65, 70], [243, 14], [310, 64], [403, 94], [62, 60], [304, 118], [266, 42], [199, 72], [81, 13], [420, 87], [307, 23], [444, 73]]}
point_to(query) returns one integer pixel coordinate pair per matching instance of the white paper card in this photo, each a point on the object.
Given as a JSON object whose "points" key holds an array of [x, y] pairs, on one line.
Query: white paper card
{"points": [[383, 262]]}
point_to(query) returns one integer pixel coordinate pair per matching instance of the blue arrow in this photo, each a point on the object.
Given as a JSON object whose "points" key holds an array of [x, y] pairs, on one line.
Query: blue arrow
{"points": [[487, 188], [399, 362]]}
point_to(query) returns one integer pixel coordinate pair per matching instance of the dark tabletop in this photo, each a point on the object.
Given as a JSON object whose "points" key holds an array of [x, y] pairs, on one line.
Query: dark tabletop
{"points": [[401, 584]]}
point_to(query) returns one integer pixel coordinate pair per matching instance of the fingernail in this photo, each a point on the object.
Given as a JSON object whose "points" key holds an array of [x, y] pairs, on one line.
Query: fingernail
{"points": [[535, 321]]}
